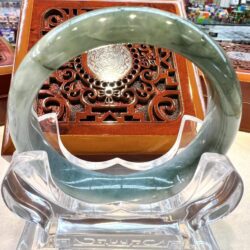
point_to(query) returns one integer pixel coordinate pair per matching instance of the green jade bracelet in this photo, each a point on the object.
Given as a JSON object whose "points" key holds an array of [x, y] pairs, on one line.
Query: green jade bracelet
{"points": [[126, 25]]}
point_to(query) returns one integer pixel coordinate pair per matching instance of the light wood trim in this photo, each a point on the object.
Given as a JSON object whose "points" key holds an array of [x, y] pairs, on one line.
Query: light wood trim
{"points": [[119, 144], [24, 33], [243, 76], [197, 96], [6, 70]]}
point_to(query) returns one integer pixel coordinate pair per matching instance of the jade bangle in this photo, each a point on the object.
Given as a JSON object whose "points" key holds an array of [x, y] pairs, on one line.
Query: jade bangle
{"points": [[126, 25]]}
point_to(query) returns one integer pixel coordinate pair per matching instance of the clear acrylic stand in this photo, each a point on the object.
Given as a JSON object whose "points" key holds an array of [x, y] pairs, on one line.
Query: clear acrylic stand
{"points": [[56, 220]]}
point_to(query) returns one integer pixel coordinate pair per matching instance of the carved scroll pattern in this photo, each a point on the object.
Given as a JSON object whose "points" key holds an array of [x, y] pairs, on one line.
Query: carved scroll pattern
{"points": [[243, 50], [2, 54], [149, 92], [6, 54], [2, 57]]}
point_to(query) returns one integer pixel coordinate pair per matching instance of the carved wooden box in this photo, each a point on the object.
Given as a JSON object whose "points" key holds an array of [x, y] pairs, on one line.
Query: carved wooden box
{"points": [[6, 62], [240, 58], [126, 100]]}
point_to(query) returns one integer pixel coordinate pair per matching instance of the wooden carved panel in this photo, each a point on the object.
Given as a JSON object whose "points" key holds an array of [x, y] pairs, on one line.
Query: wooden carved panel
{"points": [[239, 55], [117, 83], [6, 53], [126, 99], [132, 83], [48, 14]]}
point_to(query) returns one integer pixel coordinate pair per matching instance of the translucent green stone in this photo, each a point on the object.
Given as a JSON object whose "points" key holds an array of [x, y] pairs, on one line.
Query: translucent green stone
{"points": [[126, 25]]}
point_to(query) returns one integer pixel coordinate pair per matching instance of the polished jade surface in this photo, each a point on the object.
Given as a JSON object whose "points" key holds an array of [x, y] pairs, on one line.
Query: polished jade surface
{"points": [[126, 25]]}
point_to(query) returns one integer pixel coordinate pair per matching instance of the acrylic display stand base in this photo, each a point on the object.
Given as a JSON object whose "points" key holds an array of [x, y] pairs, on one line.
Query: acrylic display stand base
{"points": [[57, 221], [118, 235], [170, 203]]}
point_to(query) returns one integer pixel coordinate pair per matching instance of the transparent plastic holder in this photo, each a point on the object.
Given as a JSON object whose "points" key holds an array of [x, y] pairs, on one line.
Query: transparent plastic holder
{"points": [[189, 127], [55, 220]]}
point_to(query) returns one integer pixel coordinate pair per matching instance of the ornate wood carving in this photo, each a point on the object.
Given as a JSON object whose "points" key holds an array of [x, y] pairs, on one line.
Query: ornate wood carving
{"points": [[6, 53], [148, 92], [239, 55], [132, 83], [139, 105]]}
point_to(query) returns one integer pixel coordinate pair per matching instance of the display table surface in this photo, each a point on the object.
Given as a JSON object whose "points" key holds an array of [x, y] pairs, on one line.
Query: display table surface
{"points": [[231, 233]]}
